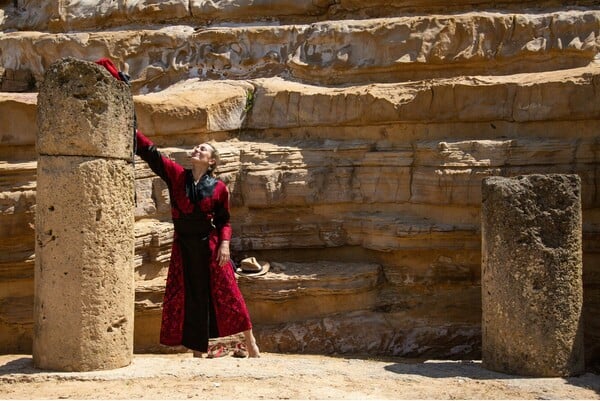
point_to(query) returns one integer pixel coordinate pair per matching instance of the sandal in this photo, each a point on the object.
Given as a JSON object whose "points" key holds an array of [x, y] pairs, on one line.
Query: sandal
{"points": [[216, 351], [240, 351]]}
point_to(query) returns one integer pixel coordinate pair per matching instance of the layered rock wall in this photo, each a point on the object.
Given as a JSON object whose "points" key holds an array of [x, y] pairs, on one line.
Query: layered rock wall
{"points": [[355, 137]]}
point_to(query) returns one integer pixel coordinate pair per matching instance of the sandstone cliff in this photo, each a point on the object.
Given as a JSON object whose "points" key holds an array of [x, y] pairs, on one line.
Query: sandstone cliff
{"points": [[355, 136]]}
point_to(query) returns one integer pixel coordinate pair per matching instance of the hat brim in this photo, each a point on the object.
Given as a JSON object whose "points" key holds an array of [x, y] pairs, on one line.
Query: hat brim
{"points": [[264, 268]]}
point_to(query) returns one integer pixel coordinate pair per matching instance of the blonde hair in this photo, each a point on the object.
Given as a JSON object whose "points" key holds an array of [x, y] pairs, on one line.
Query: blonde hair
{"points": [[217, 156]]}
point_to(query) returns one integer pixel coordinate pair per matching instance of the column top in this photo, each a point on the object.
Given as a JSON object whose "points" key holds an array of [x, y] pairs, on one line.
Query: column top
{"points": [[84, 111]]}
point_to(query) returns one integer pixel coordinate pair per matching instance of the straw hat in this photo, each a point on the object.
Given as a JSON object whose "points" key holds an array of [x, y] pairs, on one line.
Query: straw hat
{"points": [[251, 267]]}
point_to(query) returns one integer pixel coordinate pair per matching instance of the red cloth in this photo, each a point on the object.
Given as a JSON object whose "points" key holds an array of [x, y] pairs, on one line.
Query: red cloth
{"points": [[110, 66]]}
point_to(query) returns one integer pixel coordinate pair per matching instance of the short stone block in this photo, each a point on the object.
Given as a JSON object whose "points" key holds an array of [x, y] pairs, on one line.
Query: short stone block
{"points": [[531, 282]]}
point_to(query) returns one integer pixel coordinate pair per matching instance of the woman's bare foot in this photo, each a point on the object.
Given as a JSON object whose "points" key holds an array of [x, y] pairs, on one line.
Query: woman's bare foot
{"points": [[253, 351], [197, 354]]}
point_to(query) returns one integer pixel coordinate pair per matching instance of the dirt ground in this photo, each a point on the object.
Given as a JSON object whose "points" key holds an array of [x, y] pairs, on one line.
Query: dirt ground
{"points": [[278, 376]]}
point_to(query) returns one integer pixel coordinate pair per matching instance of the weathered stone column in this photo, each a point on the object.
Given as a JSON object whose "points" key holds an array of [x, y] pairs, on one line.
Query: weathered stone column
{"points": [[84, 283], [532, 275]]}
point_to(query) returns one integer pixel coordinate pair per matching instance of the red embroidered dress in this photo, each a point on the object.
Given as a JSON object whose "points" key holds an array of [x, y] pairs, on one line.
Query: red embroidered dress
{"points": [[202, 299]]}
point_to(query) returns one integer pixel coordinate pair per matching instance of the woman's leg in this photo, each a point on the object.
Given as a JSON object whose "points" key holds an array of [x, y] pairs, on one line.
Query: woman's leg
{"points": [[253, 351]]}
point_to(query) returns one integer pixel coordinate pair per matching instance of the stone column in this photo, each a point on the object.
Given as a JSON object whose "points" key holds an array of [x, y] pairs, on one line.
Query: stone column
{"points": [[532, 275], [84, 282]]}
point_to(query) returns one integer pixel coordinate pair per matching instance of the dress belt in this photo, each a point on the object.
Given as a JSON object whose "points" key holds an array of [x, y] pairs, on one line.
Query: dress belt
{"points": [[193, 227]]}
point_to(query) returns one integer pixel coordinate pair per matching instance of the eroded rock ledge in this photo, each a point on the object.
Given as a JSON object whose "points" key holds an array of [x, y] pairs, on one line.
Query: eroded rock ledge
{"points": [[324, 53]]}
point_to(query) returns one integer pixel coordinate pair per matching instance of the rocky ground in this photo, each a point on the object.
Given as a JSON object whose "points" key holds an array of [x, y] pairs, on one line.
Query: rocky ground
{"points": [[277, 376]]}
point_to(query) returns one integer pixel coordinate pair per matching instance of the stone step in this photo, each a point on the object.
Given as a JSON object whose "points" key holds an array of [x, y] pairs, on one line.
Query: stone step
{"points": [[423, 172], [417, 321], [18, 175], [333, 307], [156, 235], [149, 294], [18, 131], [342, 175], [383, 231], [287, 291], [379, 231], [512, 98], [279, 104], [17, 217], [373, 333], [396, 49], [302, 290], [492, 106], [75, 16]]}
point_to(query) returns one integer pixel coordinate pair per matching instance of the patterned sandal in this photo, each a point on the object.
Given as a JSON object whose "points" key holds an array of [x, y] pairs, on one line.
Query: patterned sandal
{"points": [[240, 351], [217, 351]]}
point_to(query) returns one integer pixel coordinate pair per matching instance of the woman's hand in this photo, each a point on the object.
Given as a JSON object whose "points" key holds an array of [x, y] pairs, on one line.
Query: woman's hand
{"points": [[223, 254]]}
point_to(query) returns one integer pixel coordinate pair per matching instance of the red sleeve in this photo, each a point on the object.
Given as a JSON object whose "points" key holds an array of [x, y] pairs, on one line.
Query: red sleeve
{"points": [[225, 231]]}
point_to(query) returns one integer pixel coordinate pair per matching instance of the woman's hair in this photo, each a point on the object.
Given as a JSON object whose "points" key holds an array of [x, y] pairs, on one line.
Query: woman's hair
{"points": [[216, 156]]}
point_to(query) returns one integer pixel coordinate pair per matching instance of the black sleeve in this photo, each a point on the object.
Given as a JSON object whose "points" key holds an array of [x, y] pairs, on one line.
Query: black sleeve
{"points": [[151, 155]]}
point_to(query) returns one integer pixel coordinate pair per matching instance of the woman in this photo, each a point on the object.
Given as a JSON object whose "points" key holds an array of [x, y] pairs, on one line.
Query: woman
{"points": [[202, 299]]}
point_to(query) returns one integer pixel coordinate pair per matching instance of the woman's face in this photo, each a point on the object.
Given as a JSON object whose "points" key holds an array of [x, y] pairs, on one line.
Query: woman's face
{"points": [[203, 153]]}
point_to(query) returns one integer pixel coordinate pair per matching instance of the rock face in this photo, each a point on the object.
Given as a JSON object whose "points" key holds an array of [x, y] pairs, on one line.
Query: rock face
{"points": [[84, 286], [355, 136], [531, 281]]}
